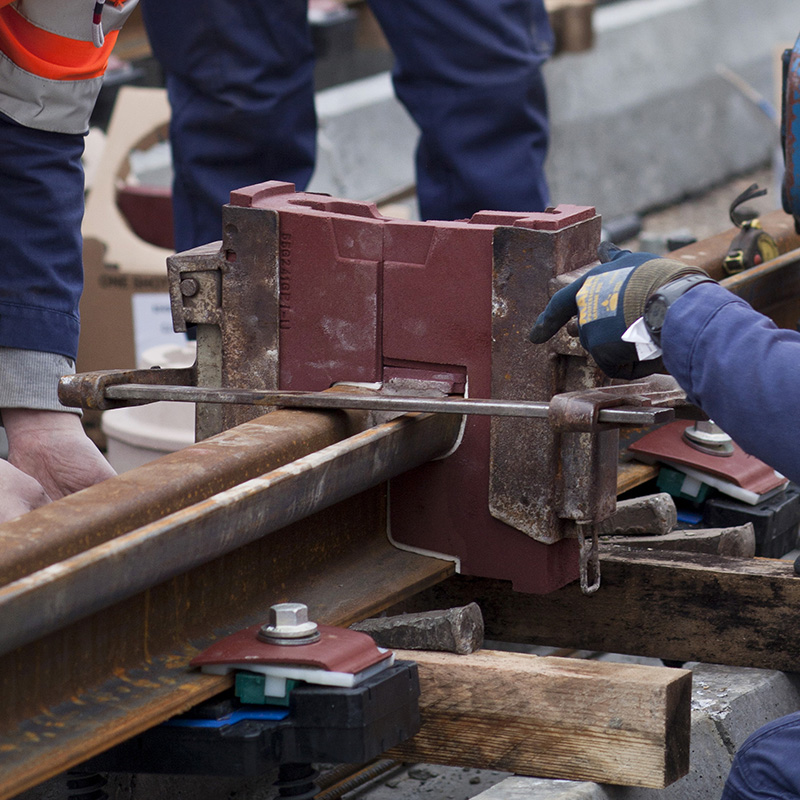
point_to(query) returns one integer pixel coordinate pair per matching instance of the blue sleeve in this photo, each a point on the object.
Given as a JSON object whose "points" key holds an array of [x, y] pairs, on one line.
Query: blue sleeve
{"points": [[741, 369], [41, 266]]}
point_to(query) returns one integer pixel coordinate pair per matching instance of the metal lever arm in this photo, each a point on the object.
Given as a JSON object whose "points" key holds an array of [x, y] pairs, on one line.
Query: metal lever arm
{"points": [[138, 393]]}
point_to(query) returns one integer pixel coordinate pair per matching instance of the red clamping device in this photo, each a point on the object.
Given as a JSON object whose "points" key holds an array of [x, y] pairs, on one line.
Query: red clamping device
{"points": [[307, 291], [445, 305]]}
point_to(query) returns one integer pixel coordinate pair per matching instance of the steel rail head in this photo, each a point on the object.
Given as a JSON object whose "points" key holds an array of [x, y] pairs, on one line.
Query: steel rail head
{"points": [[62, 593]]}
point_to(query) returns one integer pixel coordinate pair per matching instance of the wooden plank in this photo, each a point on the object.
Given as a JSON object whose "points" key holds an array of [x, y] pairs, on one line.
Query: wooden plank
{"points": [[552, 717], [662, 604], [631, 474]]}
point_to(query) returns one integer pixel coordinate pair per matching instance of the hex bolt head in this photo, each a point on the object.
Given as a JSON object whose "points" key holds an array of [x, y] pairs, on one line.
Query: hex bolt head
{"points": [[289, 624], [288, 615], [708, 432], [707, 437]]}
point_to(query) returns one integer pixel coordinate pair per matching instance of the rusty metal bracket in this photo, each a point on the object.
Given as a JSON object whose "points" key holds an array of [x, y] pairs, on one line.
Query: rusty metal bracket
{"points": [[122, 392], [581, 410], [88, 389]]}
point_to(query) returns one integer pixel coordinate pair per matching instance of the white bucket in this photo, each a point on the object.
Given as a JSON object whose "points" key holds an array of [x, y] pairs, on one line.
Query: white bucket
{"points": [[140, 434]]}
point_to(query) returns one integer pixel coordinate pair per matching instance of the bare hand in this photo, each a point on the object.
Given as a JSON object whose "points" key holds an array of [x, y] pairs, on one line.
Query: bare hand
{"points": [[52, 448], [19, 493]]}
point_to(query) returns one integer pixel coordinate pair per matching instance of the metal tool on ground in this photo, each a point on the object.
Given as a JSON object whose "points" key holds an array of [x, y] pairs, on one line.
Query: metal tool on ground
{"points": [[738, 541], [649, 514], [752, 246], [453, 630], [304, 694]]}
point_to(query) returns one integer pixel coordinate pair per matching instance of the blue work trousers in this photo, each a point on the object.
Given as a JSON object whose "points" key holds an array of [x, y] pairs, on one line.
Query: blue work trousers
{"points": [[41, 266], [240, 81], [767, 766]]}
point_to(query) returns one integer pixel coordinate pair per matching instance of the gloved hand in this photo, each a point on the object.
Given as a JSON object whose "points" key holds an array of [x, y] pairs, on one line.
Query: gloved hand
{"points": [[608, 300]]}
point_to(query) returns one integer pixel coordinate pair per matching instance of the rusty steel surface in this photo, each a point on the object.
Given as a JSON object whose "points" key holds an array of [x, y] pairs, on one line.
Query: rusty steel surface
{"points": [[230, 292], [526, 485], [337, 650], [111, 676], [709, 254], [52, 598], [98, 514], [87, 390]]}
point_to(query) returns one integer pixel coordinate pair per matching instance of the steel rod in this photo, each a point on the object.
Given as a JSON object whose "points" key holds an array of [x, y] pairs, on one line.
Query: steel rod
{"points": [[55, 596], [630, 415]]}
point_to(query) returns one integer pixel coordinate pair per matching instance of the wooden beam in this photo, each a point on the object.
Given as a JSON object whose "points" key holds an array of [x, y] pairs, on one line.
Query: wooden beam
{"points": [[631, 474], [552, 717], [662, 604], [708, 254]]}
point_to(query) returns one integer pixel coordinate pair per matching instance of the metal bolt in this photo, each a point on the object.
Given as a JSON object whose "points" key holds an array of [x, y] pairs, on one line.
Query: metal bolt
{"points": [[572, 328], [289, 624], [189, 287], [707, 431], [707, 437]]}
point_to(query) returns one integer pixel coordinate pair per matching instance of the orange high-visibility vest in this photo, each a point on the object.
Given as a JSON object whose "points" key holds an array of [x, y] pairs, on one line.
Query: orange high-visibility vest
{"points": [[51, 70]]}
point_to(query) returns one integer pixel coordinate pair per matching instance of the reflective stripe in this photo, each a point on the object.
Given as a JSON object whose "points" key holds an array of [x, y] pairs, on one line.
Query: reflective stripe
{"points": [[71, 18], [50, 72], [48, 54], [59, 106]]}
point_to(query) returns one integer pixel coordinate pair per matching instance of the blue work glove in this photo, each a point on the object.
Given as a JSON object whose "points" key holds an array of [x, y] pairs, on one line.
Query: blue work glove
{"points": [[607, 301]]}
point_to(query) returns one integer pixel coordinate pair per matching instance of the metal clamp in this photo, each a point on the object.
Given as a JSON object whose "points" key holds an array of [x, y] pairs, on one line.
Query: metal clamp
{"points": [[580, 411]]}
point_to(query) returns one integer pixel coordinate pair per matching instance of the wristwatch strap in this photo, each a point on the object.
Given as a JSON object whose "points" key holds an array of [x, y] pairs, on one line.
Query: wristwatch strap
{"points": [[657, 305]]}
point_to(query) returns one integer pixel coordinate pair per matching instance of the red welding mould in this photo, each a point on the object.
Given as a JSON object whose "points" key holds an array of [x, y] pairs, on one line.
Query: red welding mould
{"points": [[337, 650]]}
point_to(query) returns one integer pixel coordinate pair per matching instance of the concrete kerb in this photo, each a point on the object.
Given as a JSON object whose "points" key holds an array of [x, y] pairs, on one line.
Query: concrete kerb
{"points": [[728, 704]]}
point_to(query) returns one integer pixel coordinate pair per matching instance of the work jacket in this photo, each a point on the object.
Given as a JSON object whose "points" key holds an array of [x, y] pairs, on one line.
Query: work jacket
{"points": [[740, 369], [53, 54]]}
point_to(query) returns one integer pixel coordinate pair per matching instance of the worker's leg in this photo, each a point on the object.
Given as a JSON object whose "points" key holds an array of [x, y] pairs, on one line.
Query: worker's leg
{"points": [[240, 81], [767, 766], [469, 72]]}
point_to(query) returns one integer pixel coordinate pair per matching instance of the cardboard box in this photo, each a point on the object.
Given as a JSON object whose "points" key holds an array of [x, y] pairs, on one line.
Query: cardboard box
{"points": [[115, 324], [125, 305]]}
